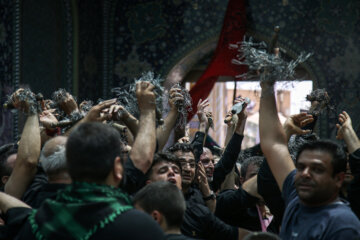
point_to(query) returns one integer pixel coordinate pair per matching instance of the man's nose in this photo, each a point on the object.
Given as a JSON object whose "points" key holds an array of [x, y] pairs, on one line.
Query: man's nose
{"points": [[186, 165], [171, 172], [211, 164], [306, 172]]}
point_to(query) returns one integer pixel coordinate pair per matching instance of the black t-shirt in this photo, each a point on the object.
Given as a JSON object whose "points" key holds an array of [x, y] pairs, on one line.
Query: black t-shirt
{"points": [[238, 208], [332, 221], [177, 237], [227, 161], [200, 222], [194, 195], [134, 179], [40, 189], [269, 190], [132, 224]]}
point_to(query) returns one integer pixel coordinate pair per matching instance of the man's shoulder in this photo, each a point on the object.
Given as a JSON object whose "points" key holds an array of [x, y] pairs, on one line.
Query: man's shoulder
{"points": [[341, 214], [132, 224]]}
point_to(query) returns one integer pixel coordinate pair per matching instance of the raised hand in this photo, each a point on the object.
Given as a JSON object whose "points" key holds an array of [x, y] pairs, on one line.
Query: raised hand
{"points": [[201, 110], [68, 105], [184, 140], [175, 97], [97, 114], [145, 96], [295, 122], [243, 113], [23, 99], [345, 124], [202, 181], [47, 119]]}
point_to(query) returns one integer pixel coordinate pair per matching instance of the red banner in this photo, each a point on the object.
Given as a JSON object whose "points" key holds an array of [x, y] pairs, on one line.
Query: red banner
{"points": [[233, 31]]}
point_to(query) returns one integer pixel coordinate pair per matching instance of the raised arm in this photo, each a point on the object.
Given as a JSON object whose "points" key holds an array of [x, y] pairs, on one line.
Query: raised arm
{"points": [[232, 150], [128, 119], [199, 140], [272, 136], [95, 114], [29, 146], [163, 132], [346, 132], [143, 149], [27, 158], [201, 113]]}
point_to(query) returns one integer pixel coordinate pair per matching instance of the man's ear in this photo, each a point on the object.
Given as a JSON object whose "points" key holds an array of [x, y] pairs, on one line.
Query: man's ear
{"points": [[241, 180], [118, 169], [4, 179], [339, 179], [157, 216]]}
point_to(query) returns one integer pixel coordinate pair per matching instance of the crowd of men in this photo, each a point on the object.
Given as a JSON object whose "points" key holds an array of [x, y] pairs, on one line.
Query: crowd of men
{"points": [[108, 175]]}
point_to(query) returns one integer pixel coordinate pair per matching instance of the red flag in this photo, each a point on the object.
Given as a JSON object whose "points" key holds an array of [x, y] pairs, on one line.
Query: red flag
{"points": [[233, 31]]}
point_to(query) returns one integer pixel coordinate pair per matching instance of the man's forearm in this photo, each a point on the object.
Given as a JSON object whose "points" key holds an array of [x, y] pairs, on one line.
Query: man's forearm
{"points": [[143, 150], [270, 126], [27, 158], [351, 140], [163, 132], [7, 202], [227, 161], [272, 137], [133, 124]]}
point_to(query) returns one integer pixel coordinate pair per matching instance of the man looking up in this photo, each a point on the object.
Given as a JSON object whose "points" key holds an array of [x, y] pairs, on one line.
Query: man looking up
{"points": [[313, 208], [199, 221]]}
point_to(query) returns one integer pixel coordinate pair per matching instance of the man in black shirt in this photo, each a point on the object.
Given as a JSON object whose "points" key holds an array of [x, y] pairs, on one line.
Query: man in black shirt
{"points": [[165, 203], [92, 207], [199, 221]]}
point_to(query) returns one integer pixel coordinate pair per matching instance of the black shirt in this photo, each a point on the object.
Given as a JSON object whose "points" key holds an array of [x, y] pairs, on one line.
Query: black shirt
{"points": [[40, 189], [269, 190], [200, 222], [238, 208], [132, 224], [177, 237], [354, 188], [227, 161]]}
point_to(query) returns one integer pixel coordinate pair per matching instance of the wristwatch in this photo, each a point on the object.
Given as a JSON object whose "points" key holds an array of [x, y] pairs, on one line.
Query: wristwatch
{"points": [[212, 196]]}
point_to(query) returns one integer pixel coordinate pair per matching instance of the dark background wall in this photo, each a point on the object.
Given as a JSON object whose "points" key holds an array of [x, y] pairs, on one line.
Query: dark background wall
{"points": [[90, 46]]}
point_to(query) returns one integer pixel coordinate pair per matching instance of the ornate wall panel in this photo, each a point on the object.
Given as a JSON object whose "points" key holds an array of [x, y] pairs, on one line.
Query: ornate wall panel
{"points": [[155, 35], [6, 69], [90, 15]]}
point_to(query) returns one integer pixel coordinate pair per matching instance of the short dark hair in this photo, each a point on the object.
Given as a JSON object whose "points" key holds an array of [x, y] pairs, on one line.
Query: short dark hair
{"points": [[255, 160], [164, 197], [163, 157], [338, 160], [184, 147], [91, 150]]}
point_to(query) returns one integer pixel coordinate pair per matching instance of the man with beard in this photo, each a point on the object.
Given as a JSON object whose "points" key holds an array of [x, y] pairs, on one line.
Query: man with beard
{"points": [[310, 190]]}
